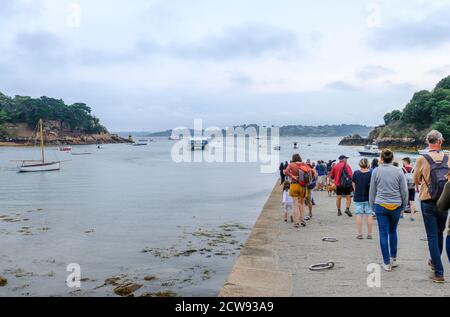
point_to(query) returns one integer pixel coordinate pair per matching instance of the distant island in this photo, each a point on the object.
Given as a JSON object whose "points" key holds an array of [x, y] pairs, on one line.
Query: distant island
{"points": [[302, 131], [406, 129], [64, 124]]}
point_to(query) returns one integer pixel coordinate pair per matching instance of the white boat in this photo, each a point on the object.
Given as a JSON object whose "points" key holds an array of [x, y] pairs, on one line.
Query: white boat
{"points": [[27, 166], [295, 145], [33, 166], [370, 150], [141, 142], [81, 153], [198, 143]]}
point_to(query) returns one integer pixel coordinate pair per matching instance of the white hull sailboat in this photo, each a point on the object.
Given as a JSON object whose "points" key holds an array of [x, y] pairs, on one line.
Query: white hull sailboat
{"points": [[27, 166]]}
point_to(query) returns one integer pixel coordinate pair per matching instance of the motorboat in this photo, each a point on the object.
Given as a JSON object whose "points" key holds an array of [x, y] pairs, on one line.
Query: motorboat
{"points": [[370, 150], [198, 143]]}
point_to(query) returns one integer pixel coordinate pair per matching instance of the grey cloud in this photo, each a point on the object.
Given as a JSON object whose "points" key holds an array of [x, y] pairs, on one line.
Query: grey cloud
{"points": [[430, 32], [8, 7], [246, 41], [373, 72], [242, 42], [240, 79], [340, 85], [40, 49], [439, 71]]}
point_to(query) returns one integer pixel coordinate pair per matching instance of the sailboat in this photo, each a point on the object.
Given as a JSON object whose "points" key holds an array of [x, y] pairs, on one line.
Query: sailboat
{"points": [[42, 165]]}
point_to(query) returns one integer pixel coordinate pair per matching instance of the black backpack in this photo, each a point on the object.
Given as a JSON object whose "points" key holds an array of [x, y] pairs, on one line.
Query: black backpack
{"points": [[346, 180], [438, 173]]}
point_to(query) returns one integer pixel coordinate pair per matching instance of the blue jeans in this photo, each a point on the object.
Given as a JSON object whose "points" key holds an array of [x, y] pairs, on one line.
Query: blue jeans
{"points": [[448, 247], [435, 222], [387, 226]]}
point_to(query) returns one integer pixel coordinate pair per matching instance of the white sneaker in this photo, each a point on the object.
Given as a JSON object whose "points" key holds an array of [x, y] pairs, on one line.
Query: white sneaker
{"points": [[387, 267], [394, 263]]}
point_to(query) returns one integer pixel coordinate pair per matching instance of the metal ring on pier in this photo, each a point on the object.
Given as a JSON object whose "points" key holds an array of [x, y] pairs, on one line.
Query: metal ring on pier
{"points": [[330, 239], [322, 266]]}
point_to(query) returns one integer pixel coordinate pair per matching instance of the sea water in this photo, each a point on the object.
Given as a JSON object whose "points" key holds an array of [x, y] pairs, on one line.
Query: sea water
{"points": [[133, 214]]}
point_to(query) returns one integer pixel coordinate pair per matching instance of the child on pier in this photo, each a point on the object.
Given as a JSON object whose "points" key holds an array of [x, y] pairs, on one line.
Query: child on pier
{"points": [[288, 202]]}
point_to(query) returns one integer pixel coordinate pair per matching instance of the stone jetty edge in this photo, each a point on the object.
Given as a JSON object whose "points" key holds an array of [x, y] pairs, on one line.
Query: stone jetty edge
{"points": [[256, 272]]}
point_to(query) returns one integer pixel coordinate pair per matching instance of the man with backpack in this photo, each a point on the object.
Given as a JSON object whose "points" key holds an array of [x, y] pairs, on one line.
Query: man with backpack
{"points": [[342, 175], [431, 176]]}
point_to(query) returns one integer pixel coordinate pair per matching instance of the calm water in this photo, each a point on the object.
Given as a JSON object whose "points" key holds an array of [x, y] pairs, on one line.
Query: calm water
{"points": [[131, 212]]}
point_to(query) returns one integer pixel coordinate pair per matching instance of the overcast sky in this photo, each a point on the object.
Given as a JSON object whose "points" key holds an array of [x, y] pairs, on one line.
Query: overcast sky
{"points": [[154, 65]]}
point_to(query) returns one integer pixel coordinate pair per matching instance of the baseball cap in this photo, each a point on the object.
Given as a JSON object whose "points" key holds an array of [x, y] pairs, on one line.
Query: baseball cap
{"points": [[343, 157]]}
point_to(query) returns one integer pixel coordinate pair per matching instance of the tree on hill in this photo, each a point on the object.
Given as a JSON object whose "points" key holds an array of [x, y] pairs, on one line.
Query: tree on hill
{"points": [[426, 110], [24, 109]]}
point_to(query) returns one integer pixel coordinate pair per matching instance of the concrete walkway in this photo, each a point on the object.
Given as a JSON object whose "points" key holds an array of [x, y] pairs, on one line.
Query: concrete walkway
{"points": [[276, 258]]}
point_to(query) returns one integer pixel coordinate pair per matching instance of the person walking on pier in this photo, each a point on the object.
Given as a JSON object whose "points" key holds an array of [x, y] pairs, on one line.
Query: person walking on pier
{"points": [[301, 176], [408, 169], [321, 169], [342, 176], [431, 175], [361, 185], [444, 205], [287, 201], [282, 176], [388, 197]]}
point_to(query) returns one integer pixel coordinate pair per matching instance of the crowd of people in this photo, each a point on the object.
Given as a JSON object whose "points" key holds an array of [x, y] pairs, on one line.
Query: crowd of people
{"points": [[383, 191]]}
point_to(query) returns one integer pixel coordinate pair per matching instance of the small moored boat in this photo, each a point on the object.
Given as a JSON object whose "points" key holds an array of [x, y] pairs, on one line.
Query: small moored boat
{"points": [[65, 148], [39, 166]]}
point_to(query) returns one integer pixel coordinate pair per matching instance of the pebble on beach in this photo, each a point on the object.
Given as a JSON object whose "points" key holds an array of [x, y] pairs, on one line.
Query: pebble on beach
{"points": [[3, 281], [127, 289]]}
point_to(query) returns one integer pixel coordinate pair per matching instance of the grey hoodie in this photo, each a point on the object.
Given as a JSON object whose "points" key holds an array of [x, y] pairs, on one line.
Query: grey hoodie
{"points": [[388, 186]]}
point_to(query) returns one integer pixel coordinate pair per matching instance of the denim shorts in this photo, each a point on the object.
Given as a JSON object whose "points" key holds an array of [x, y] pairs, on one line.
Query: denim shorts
{"points": [[363, 209]]}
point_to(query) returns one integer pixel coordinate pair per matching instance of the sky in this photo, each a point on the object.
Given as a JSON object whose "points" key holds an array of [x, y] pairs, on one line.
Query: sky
{"points": [[154, 65]]}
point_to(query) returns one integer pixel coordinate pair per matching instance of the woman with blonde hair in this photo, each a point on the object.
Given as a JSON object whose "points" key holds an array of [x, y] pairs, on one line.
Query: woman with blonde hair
{"points": [[361, 186]]}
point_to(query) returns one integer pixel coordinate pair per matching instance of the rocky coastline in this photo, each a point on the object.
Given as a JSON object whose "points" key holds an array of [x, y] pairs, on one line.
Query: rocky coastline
{"points": [[55, 135]]}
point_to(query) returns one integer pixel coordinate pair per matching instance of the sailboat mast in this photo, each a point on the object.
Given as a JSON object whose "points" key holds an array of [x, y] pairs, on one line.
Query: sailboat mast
{"points": [[41, 128]]}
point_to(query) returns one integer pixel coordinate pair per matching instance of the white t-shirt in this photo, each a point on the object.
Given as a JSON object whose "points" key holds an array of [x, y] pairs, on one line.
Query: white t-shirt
{"points": [[286, 198]]}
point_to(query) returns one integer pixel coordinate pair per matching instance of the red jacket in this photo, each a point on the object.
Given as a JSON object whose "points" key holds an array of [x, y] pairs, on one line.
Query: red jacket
{"points": [[336, 172]]}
